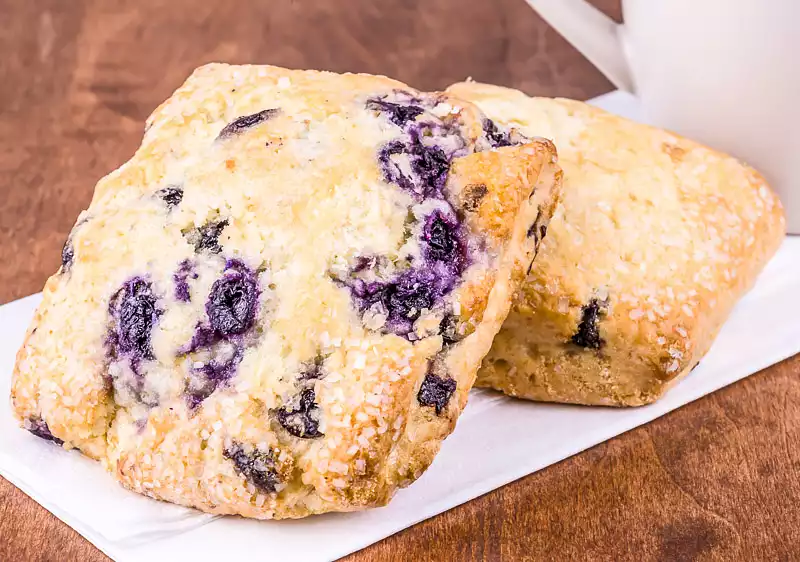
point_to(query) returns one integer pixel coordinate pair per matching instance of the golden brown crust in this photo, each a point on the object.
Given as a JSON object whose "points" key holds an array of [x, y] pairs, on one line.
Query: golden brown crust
{"points": [[662, 234], [528, 188], [198, 416]]}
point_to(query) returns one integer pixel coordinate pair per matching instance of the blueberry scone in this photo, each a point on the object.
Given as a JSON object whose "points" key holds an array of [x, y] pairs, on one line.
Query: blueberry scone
{"points": [[656, 240], [278, 306]]}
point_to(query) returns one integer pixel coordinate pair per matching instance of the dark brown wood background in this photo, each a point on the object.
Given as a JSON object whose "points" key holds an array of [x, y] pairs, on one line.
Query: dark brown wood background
{"points": [[716, 480]]}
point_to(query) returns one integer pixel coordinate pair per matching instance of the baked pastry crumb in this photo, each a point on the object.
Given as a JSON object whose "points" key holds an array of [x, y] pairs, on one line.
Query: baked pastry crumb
{"points": [[278, 306], [656, 240]]}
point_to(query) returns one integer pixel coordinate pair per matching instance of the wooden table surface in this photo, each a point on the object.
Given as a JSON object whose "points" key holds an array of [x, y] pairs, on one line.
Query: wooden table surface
{"points": [[715, 480]]}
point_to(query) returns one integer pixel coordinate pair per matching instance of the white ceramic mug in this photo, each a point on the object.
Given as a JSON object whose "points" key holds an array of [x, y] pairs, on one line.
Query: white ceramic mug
{"points": [[724, 72]]}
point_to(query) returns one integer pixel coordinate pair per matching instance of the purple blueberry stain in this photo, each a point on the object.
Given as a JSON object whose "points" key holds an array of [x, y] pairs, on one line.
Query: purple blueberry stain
{"points": [[203, 338], [181, 278], [172, 195], [415, 167], [446, 136], [231, 306], [436, 391], [231, 311], [402, 299], [39, 428], [431, 165], [301, 415], [257, 467], [240, 124], [134, 312], [206, 377], [419, 163]]}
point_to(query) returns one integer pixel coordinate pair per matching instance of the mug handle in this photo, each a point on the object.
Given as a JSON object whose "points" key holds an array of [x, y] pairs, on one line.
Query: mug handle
{"points": [[594, 34]]}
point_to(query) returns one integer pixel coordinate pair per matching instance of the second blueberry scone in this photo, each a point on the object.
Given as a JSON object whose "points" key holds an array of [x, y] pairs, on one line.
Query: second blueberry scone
{"points": [[656, 240], [278, 306]]}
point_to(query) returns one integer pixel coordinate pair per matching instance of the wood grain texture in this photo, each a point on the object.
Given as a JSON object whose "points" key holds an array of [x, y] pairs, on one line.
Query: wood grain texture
{"points": [[716, 480]]}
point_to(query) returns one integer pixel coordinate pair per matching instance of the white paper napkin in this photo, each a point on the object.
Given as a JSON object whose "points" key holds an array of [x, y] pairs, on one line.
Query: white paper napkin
{"points": [[497, 440]]}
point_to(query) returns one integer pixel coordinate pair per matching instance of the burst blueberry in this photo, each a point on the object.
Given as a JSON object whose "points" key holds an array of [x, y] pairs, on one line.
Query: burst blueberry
{"points": [[68, 250], [206, 238], [245, 122], [399, 114], [258, 467], [172, 195], [449, 329], [134, 310], [301, 416], [408, 297], [231, 310], [67, 255], [496, 136], [442, 240], [588, 334], [436, 392], [231, 306], [39, 428], [431, 165], [403, 299], [415, 167]]}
